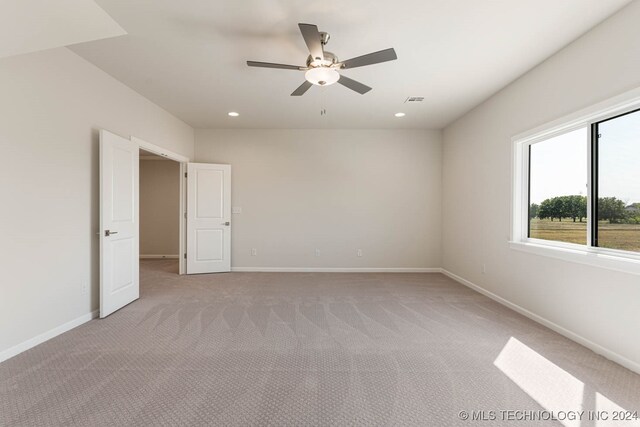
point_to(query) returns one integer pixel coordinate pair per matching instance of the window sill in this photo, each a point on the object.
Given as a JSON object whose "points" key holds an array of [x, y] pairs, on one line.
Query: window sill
{"points": [[582, 255]]}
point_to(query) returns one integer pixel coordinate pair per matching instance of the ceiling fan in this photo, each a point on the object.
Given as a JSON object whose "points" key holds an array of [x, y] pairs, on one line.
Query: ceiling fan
{"points": [[322, 66]]}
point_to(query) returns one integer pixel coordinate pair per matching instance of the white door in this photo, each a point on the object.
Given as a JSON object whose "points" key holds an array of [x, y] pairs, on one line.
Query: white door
{"points": [[208, 218], [119, 279]]}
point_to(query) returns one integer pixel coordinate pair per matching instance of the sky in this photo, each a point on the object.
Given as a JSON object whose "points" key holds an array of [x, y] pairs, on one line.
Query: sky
{"points": [[559, 164], [620, 158]]}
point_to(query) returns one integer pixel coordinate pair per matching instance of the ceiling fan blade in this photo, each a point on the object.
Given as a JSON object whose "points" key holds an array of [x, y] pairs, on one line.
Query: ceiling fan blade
{"points": [[353, 85], [371, 58], [312, 38], [272, 65], [302, 89]]}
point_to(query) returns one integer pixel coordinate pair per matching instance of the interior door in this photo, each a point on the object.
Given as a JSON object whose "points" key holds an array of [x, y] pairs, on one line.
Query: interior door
{"points": [[119, 240], [208, 218]]}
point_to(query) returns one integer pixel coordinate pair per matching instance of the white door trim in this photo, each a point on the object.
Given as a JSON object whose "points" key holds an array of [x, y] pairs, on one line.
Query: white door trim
{"points": [[155, 149], [183, 160]]}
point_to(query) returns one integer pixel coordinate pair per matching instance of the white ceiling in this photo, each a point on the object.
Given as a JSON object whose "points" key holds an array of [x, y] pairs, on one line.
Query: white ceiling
{"points": [[189, 56], [32, 25]]}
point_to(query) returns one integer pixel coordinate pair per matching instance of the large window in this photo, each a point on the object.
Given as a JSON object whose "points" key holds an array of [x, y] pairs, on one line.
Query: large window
{"points": [[581, 186]]}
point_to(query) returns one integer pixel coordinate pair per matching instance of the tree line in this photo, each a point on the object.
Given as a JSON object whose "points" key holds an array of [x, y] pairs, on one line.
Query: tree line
{"points": [[575, 207]]}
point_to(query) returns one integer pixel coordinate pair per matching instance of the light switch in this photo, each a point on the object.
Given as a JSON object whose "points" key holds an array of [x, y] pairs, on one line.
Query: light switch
{"points": [[236, 210]]}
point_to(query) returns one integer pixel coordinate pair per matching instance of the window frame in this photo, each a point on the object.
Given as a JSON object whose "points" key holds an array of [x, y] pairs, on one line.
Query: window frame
{"points": [[589, 118]]}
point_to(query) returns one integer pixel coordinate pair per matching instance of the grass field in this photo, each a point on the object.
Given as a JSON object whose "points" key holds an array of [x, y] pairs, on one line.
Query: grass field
{"points": [[615, 236]]}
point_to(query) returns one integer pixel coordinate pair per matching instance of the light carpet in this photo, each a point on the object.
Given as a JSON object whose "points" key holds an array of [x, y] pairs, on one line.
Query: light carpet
{"points": [[307, 349]]}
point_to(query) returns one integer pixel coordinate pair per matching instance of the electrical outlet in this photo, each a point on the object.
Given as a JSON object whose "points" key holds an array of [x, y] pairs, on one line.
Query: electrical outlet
{"points": [[84, 287], [317, 252], [254, 252], [359, 252]]}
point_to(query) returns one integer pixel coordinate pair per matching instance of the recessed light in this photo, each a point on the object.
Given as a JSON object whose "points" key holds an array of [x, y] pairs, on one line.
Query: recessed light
{"points": [[399, 114], [233, 114]]}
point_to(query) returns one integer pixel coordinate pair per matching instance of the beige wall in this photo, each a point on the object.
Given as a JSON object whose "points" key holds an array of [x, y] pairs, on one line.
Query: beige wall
{"points": [[159, 207], [332, 190], [52, 104], [599, 305]]}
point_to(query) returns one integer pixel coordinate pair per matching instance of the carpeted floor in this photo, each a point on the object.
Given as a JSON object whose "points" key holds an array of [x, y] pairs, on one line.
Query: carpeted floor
{"points": [[308, 349]]}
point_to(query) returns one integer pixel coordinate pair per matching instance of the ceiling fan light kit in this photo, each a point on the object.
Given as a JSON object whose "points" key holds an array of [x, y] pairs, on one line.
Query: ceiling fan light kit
{"points": [[322, 76], [322, 66]]}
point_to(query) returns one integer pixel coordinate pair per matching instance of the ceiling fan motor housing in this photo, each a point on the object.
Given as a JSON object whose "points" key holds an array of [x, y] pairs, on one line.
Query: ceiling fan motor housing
{"points": [[329, 60]]}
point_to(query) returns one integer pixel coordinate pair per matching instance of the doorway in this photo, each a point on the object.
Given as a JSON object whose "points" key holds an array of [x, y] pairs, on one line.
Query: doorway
{"points": [[207, 212], [149, 149], [204, 217], [159, 207]]}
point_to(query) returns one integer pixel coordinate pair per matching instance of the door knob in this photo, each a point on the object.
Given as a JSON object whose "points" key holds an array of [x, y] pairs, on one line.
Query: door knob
{"points": [[108, 233], [226, 223]]}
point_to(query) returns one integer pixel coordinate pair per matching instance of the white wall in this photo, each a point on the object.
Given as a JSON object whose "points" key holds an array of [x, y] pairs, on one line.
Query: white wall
{"points": [[599, 305], [335, 190], [159, 207], [52, 104]]}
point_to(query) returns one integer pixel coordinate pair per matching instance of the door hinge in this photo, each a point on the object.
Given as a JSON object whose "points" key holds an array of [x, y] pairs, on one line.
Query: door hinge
{"points": [[185, 174], [185, 256], [185, 215]]}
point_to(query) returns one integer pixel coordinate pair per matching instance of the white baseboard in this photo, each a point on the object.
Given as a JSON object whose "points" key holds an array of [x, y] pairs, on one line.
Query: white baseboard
{"points": [[39, 339], [334, 270], [159, 256], [597, 348]]}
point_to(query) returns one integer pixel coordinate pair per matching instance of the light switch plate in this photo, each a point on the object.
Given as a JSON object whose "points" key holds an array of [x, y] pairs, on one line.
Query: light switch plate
{"points": [[236, 209]]}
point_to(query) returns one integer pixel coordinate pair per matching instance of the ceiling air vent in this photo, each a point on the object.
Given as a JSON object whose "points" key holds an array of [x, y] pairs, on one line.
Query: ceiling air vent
{"points": [[414, 99]]}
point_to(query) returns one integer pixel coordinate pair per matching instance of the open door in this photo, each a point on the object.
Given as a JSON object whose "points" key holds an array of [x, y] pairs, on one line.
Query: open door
{"points": [[119, 239], [208, 218]]}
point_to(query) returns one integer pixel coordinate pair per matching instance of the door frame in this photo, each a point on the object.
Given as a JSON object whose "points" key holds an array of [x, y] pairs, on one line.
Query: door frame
{"points": [[182, 160]]}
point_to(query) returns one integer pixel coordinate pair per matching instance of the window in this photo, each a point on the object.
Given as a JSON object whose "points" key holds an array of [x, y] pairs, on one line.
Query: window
{"points": [[616, 177], [577, 187], [558, 188]]}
